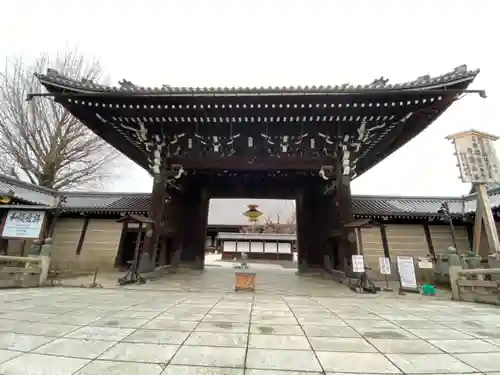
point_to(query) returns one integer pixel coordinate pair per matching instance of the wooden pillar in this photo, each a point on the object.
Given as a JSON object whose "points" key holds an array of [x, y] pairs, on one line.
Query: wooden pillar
{"points": [[313, 224], [174, 226], [195, 207], [156, 213], [347, 243]]}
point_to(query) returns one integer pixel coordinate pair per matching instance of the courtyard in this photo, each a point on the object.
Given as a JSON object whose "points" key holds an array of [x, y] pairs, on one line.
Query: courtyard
{"points": [[292, 325]]}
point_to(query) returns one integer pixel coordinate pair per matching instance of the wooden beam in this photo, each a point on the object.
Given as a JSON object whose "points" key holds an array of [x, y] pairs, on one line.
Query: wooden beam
{"points": [[83, 233]]}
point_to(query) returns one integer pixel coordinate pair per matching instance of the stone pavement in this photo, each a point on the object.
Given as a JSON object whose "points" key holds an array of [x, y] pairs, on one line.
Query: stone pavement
{"points": [[62, 331]]}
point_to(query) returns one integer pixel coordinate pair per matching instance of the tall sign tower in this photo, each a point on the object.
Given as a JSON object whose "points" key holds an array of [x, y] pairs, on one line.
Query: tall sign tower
{"points": [[479, 165]]}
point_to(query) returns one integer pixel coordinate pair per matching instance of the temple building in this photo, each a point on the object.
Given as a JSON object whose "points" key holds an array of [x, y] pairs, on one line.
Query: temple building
{"points": [[300, 143]]}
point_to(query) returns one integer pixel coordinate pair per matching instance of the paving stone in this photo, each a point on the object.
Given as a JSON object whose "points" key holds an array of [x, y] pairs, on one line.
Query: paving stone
{"points": [[37, 328], [274, 372], [429, 363], [138, 352], [227, 318], [291, 360], [219, 339], [321, 331], [38, 364], [120, 322], [278, 329], [75, 348], [341, 344], [465, 346], [100, 333], [493, 341], [274, 320], [278, 342], [256, 314], [23, 343], [193, 317], [28, 316], [357, 363], [210, 356], [150, 336], [195, 370], [490, 333], [177, 325], [439, 334], [135, 314], [227, 327], [486, 362], [403, 346], [370, 324], [385, 333], [77, 320], [418, 324], [335, 322], [5, 355], [99, 367], [270, 306]]}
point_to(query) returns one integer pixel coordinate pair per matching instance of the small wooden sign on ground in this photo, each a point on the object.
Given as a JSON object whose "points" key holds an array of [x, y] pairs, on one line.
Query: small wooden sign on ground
{"points": [[245, 281]]}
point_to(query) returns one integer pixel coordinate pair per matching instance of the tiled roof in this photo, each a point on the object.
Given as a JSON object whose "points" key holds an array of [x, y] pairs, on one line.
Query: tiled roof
{"points": [[27, 192], [405, 206], [225, 212], [53, 78], [106, 202]]}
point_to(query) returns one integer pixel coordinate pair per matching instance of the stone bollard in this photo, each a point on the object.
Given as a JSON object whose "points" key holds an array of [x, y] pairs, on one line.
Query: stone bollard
{"points": [[35, 248], [493, 262], [45, 253], [454, 277]]}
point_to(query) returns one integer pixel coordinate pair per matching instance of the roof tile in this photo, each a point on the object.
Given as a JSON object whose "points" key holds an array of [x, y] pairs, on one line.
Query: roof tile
{"points": [[52, 77]]}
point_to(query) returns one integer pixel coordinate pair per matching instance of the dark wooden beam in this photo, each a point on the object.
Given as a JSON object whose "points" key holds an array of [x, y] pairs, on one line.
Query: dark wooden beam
{"points": [[83, 233]]}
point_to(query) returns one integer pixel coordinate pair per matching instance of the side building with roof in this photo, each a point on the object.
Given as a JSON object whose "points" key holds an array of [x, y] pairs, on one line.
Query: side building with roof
{"points": [[87, 233]]}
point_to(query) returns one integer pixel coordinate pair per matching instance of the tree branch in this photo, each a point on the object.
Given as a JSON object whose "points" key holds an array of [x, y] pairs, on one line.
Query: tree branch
{"points": [[40, 140]]}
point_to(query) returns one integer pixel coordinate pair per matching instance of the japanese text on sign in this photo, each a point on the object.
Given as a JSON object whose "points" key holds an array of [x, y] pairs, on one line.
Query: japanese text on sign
{"points": [[23, 224]]}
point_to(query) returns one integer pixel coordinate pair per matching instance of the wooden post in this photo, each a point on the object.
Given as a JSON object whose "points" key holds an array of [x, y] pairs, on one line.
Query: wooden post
{"points": [[156, 213], [486, 217], [344, 206]]}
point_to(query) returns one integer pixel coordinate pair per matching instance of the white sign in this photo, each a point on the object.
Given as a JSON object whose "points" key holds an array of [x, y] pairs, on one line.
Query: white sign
{"points": [[23, 224], [406, 269], [358, 263], [477, 159], [385, 266], [424, 263]]}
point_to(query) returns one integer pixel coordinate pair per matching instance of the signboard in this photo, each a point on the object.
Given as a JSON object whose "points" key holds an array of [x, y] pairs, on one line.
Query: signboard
{"points": [[385, 266], [477, 158], [23, 224], [406, 270], [358, 263], [424, 263]]}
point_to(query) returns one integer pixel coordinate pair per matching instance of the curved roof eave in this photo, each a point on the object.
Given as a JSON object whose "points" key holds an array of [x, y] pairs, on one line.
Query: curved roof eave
{"points": [[55, 80]]}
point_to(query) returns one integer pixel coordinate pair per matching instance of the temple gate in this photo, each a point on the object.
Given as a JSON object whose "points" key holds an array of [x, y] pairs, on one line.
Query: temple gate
{"points": [[306, 144]]}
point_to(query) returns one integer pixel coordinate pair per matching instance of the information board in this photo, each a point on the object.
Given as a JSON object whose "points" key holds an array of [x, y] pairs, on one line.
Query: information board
{"points": [[424, 263], [477, 159], [358, 263], [385, 266], [406, 270], [23, 224]]}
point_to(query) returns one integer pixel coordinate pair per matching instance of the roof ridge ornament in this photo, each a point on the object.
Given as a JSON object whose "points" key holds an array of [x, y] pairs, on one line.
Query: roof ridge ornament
{"points": [[127, 85]]}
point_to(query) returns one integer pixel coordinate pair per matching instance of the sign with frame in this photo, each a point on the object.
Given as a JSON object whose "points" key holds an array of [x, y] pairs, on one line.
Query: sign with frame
{"points": [[406, 272], [385, 266], [23, 224]]}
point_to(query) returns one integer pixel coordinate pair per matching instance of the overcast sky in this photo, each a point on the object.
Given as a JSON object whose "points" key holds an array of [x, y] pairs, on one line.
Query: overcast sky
{"points": [[285, 42]]}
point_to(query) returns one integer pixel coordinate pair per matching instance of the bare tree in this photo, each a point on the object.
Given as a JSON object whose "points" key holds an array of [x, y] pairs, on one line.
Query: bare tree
{"points": [[41, 141]]}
